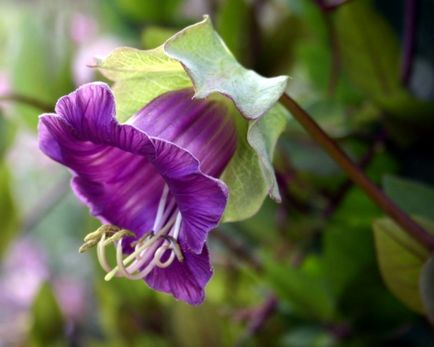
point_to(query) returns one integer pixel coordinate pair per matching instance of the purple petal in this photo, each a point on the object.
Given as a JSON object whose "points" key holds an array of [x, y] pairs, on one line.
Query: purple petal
{"points": [[50, 127], [200, 198], [204, 128], [120, 187], [90, 110], [111, 163], [202, 202], [184, 280]]}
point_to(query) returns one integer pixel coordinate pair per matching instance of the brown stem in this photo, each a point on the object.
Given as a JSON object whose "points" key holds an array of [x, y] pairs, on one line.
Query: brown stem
{"points": [[356, 174], [326, 7], [344, 188], [22, 99]]}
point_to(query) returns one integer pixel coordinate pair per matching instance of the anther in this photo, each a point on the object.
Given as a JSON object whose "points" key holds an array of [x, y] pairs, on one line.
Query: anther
{"points": [[144, 238], [103, 229], [88, 245], [119, 235], [174, 246], [92, 239]]}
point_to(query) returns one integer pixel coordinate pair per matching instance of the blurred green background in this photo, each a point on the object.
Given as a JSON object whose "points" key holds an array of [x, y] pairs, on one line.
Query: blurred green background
{"points": [[300, 274]]}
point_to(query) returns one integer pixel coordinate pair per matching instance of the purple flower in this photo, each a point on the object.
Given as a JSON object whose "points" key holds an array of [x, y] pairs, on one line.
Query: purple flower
{"points": [[156, 175]]}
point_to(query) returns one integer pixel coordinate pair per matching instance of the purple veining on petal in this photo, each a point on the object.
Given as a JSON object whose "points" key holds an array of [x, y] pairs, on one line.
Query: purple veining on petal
{"points": [[200, 208], [202, 127], [186, 280]]}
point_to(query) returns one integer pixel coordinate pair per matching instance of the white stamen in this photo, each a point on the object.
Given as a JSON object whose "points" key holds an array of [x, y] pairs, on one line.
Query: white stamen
{"points": [[122, 270], [144, 256], [161, 206], [100, 251], [119, 261], [177, 226], [168, 210], [145, 272]]}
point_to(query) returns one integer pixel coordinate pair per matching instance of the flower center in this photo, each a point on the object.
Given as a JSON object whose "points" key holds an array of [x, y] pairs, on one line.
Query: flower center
{"points": [[158, 248]]}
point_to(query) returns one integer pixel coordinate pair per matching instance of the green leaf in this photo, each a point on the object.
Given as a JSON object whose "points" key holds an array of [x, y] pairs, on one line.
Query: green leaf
{"points": [[371, 57], [348, 250], [141, 76], [8, 214], [303, 289], [414, 198], [427, 288], [213, 68], [401, 259], [417, 113], [369, 49], [47, 327]]}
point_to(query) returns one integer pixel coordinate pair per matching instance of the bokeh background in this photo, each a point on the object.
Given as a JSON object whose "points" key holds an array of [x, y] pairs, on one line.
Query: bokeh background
{"points": [[300, 274]]}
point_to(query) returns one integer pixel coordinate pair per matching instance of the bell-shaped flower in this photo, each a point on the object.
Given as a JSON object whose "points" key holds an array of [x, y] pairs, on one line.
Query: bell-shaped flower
{"points": [[172, 158], [154, 176]]}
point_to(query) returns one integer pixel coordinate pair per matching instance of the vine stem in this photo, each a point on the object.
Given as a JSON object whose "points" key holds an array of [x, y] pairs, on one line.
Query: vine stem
{"points": [[411, 11], [330, 7], [23, 99], [356, 174]]}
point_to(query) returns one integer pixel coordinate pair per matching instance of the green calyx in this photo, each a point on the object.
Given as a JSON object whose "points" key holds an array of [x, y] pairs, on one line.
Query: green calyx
{"points": [[197, 57]]}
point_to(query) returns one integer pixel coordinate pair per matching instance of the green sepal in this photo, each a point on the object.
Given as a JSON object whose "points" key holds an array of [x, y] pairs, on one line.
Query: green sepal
{"points": [[197, 57]]}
